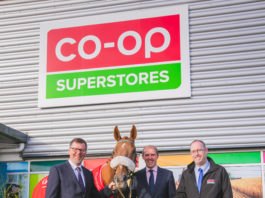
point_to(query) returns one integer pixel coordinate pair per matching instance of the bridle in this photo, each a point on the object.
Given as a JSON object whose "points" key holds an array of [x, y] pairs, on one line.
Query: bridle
{"points": [[129, 176], [130, 188]]}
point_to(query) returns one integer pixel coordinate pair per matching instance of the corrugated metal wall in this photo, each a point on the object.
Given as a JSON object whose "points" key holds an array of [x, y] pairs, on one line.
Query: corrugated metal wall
{"points": [[227, 47]]}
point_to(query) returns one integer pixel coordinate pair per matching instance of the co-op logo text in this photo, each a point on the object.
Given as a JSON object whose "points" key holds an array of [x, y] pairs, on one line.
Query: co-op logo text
{"points": [[149, 48], [123, 43]]}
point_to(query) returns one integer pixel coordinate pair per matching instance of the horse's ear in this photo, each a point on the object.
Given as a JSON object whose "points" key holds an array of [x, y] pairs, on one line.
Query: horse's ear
{"points": [[133, 132], [116, 133]]}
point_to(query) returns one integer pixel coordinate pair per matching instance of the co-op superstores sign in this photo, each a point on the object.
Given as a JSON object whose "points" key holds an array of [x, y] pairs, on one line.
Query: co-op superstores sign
{"points": [[126, 56]]}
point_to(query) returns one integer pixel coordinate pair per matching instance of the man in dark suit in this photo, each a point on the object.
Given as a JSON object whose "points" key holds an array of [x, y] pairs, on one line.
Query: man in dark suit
{"points": [[71, 179], [153, 181]]}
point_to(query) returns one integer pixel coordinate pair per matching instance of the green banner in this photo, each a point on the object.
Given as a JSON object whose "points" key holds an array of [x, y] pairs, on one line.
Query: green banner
{"points": [[34, 180], [43, 165], [112, 81], [236, 158]]}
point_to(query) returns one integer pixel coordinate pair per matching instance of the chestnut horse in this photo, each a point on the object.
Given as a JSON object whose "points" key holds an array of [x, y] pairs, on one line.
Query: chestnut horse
{"points": [[122, 162]]}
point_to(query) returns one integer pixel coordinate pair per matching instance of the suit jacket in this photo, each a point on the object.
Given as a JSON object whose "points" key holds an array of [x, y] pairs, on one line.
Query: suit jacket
{"points": [[62, 183], [164, 186]]}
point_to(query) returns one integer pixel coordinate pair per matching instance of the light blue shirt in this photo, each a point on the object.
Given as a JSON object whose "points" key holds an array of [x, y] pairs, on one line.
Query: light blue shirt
{"points": [[204, 168], [76, 172]]}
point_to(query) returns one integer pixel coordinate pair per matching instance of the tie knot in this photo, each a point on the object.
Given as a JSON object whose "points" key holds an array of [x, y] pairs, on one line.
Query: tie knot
{"points": [[78, 169], [151, 171], [200, 170]]}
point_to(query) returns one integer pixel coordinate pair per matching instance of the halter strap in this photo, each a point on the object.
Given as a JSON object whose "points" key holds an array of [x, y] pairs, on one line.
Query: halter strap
{"points": [[126, 141]]}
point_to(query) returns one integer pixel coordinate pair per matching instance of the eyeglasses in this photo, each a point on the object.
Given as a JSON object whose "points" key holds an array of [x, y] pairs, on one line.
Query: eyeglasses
{"points": [[77, 149], [197, 151]]}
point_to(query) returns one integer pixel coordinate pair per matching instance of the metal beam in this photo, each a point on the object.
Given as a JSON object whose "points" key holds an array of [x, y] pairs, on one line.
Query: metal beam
{"points": [[11, 136]]}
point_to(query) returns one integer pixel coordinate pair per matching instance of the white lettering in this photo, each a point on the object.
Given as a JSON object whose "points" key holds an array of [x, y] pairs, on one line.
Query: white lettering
{"points": [[134, 77], [138, 44], [81, 44], [101, 81], [91, 82], [81, 82], [154, 77], [60, 84], [58, 50], [111, 81], [143, 76], [120, 76], [68, 84], [148, 46], [164, 76]]}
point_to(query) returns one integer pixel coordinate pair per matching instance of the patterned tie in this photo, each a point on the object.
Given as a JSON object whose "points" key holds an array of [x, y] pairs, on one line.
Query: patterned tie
{"points": [[80, 180], [200, 179], [151, 181]]}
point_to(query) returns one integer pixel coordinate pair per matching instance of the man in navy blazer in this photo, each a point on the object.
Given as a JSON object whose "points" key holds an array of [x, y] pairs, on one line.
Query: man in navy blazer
{"points": [[71, 179], [163, 179]]}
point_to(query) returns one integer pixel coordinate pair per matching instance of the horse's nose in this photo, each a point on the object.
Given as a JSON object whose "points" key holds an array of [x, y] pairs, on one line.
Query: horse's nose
{"points": [[120, 178], [125, 177]]}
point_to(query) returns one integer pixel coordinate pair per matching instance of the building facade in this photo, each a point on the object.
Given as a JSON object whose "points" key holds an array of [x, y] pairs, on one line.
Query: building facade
{"points": [[225, 108]]}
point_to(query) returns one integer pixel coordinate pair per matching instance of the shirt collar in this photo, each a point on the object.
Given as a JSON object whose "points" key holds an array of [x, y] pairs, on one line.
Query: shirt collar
{"points": [[203, 167], [154, 169], [73, 165]]}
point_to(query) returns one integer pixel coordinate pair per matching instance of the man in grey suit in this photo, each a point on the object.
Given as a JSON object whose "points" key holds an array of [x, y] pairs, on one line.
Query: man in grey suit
{"points": [[153, 181], [71, 179]]}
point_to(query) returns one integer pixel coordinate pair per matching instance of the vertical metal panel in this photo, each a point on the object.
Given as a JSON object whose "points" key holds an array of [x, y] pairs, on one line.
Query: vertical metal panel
{"points": [[227, 45]]}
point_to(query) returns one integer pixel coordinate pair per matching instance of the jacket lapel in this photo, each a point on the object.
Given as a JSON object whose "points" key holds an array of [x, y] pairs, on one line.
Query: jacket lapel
{"points": [[86, 179], [194, 183], [143, 178], [71, 171], [159, 178]]}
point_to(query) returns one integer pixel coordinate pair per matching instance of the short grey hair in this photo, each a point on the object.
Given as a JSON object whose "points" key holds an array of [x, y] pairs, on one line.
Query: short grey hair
{"points": [[78, 140], [204, 145]]}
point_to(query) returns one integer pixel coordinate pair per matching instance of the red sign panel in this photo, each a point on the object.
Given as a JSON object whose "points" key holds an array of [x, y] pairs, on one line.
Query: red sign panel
{"points": [[124, 43]]}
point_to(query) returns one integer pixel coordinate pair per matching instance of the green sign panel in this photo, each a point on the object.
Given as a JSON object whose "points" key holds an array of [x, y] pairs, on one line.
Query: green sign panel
{"points": [[236, 158], [112, 81]]}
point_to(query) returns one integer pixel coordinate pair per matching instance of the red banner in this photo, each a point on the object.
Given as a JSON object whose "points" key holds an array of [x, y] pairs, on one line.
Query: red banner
{"points": [[40, 190]]}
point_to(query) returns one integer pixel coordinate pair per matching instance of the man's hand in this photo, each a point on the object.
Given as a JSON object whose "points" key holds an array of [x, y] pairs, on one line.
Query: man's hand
{"points": [[112, 186], [177, 184]]}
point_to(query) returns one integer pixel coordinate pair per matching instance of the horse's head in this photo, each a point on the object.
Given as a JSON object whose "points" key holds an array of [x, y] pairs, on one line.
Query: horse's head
{"points": [[124, 157]]}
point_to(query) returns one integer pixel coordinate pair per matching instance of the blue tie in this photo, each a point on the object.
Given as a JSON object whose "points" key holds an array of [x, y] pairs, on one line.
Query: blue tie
{"points": [[80, 180], [151, 181], [200, 179]]}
